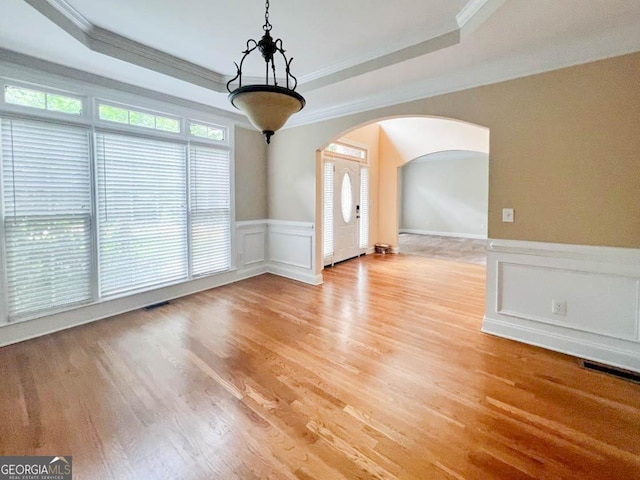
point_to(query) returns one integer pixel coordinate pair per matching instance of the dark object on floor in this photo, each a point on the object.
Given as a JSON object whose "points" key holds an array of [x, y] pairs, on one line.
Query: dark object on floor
{"points": [[615, 371], [155, 305], [382, 248]]}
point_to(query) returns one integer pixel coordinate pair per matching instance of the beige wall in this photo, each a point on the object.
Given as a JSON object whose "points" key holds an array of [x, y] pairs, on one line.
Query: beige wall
{"points": [[250, 175], [564, 153]]}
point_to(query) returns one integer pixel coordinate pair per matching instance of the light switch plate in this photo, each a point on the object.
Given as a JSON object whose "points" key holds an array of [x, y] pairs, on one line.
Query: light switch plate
{"points": [[507, 215]]}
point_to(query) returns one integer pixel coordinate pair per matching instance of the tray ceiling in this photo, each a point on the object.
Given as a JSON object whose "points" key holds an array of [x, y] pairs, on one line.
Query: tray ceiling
{"points": [[349, 56]]}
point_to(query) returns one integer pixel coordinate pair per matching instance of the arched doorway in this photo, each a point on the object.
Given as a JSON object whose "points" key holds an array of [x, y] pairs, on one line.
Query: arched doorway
{"points": [[391, 143]]}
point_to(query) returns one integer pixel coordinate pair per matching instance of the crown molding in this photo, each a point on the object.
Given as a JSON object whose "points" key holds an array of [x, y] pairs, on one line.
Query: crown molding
{"points": [[445, 40], [472, 15], [475, 13], [391, 46], [607, 45], [30, 69], [117, 46], [468, 19]]}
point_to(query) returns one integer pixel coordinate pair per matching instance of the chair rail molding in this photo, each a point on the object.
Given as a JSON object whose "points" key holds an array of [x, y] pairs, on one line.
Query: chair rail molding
{"points": [[599, 288]]}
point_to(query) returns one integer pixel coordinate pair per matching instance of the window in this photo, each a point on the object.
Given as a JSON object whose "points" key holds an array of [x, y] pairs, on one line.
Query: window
{"points": [[53, 102], [327, 222], [347, 151], [46, 200], [346, 198], [112, 113], [89, 213], [364, 208], [210, 182], [141, 212], [210, 132]]}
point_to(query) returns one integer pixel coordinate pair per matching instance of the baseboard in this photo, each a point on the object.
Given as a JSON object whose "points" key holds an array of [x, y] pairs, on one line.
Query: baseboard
{"points": [[443, 234], [293, 273], [597, 288], [283, 248], [618, 353], [11, 333]]}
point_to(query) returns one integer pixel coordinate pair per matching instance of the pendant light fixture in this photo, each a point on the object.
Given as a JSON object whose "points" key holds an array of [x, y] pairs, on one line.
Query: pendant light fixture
{"points": [[267, 105]]}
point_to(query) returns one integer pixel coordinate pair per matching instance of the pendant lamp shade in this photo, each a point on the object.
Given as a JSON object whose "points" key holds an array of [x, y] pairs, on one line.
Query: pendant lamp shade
{"points": [[268, 107]]}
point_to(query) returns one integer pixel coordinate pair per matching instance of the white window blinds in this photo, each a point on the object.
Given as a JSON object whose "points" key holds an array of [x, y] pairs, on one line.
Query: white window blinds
{"points": [[142, 193], [364, 207], [210, 202], [46, 182], [327, 226]]}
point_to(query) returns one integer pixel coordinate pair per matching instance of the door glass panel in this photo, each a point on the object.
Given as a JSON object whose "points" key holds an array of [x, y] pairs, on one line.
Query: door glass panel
{"points": [[346, 198]]}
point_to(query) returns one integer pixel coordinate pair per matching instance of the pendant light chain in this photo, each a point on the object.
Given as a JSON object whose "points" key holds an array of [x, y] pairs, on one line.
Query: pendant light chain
{"points": [[267, 26]]}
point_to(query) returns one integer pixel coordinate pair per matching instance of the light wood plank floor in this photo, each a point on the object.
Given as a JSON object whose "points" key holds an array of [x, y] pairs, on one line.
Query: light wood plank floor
{"points": [[381, 372]]}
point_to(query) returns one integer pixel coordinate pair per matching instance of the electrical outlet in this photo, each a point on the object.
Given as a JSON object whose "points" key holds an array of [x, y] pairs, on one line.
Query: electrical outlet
{"points": [[507, 215], [559, 307]]}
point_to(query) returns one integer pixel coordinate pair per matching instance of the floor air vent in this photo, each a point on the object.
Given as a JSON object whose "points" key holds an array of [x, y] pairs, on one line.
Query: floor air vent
{"points": [[617, 372], [155, 305]]}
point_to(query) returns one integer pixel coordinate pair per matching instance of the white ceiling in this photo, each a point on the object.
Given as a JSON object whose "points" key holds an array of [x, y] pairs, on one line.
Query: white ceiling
{"points": [[349, 55]]}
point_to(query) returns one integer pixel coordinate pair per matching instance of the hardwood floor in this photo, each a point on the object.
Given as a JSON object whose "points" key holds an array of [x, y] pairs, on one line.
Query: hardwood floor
{"points": [[381, 372]]}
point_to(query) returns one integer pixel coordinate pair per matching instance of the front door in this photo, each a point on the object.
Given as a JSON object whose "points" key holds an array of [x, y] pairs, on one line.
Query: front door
{"points": [[346, 209]]}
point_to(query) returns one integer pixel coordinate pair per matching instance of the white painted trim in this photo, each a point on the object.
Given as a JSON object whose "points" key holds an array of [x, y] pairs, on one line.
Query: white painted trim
{"points": [[251, 254], [292, 250], [19, 331], [443, 234], [291, 224], [609, 44], [370, 250], [399, 50], [117, 46], [475, 13], [251, 223], [618, 255], [395, 249], [75, 17], [104, 41], [606, 327], [295, 274], [375, 60], [302, 272], [618, 355], [25, 69]]}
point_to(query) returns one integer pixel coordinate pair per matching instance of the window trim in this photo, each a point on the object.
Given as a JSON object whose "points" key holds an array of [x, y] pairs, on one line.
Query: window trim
{"points": [[84, 117], [91, 96], [209, 141], [4, 287], [348, 144], [127, 127]]}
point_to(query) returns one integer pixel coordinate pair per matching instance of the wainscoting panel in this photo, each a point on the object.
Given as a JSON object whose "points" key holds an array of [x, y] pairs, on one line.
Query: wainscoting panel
{"points": [[251, 244], [292, 250], [580, 300]]}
